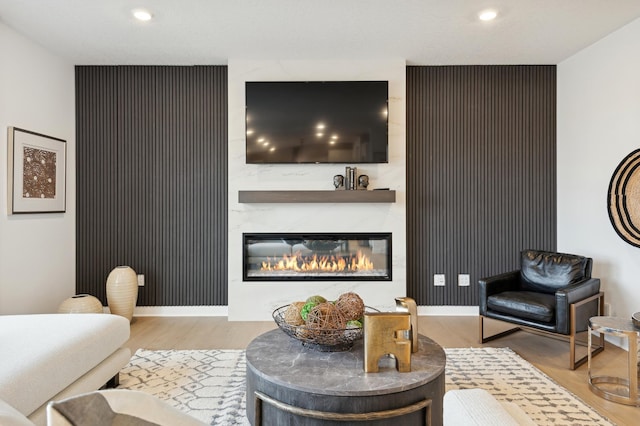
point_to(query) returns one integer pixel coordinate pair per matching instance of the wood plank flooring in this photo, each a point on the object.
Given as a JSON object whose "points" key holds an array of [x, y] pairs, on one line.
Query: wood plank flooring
{"points": [[549, 355]]}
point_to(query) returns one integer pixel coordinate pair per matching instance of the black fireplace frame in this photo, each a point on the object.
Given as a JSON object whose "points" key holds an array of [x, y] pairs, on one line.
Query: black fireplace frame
{"points": [[293, 236]]}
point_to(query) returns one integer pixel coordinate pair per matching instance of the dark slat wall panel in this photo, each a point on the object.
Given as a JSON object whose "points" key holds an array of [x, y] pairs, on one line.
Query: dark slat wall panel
{"points": [[481, 177], [152, 181]]}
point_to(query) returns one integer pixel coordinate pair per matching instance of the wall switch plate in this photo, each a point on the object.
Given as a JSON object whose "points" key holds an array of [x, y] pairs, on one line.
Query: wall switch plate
{"points": [[438, 280], [607, 309], [463, 280], [140, 280]]}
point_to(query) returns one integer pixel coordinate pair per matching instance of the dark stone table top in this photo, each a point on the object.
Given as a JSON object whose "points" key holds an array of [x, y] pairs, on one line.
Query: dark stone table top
{"points": [[284, 361]]}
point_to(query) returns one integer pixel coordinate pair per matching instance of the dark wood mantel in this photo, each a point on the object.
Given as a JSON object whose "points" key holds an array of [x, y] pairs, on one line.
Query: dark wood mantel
{"points": [[375, 196]]}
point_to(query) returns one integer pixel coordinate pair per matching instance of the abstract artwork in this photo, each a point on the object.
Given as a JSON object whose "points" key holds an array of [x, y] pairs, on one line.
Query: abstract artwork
{"points": [[39, 171], [37, 165], [623, 199]]}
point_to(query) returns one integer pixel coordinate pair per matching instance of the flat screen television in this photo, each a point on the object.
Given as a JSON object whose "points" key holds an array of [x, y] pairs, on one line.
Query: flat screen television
{"points": [[316, 122]]}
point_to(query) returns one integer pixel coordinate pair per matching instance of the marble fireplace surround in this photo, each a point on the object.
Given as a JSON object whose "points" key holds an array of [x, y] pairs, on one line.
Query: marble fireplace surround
{"points": [[255, 301]]}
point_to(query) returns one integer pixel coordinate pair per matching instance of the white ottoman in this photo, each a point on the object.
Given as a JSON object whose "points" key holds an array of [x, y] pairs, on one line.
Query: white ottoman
{"points": [[477, 407]]}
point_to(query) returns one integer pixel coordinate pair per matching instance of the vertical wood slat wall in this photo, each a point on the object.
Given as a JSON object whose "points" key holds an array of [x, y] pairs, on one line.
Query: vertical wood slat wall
{"points": [[152, 181], [481, 174]]}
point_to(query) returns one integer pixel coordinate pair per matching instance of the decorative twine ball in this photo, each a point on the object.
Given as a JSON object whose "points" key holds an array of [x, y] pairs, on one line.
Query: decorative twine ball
{"points": [[326, 316], [292, 314], [351, 306]]}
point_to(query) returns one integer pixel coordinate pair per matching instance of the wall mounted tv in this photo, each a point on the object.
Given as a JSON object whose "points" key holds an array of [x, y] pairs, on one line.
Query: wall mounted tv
{"points": [[316, 122]]}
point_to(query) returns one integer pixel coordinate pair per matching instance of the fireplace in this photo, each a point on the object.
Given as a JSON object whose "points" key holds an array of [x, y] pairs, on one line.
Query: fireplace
{"points": [[317, 256]]}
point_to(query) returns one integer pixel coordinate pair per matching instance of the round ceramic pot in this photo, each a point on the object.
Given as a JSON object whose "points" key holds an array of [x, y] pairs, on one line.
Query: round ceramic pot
{"points": [[81, 304]]}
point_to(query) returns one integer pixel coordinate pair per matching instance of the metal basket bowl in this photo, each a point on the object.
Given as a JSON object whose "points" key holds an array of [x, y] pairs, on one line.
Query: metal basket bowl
{"points": [[324, 340]]}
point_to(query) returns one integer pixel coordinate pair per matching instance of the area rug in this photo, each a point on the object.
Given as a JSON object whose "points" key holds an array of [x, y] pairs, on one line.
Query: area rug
{"points": [[210, 384]]}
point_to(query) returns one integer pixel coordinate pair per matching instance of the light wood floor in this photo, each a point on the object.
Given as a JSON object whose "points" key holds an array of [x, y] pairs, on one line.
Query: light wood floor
{"points": [[548, 354]]}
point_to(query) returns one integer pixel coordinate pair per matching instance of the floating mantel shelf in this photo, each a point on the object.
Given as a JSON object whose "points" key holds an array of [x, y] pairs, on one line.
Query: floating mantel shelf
{"points": [[381, 196]]}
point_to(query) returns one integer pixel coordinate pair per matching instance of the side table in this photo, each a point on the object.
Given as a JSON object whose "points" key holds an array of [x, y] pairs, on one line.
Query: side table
{"points": [[616, 389]]}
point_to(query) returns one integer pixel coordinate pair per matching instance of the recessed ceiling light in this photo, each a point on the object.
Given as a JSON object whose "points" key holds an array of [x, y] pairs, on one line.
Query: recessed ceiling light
{"points": [[142, 14], [487, 15]]}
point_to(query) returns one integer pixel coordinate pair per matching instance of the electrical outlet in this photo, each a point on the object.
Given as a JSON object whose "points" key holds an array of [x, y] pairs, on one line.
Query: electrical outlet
{"points": [[140, 280], [607, 309], [463, 280], [438, 280]]}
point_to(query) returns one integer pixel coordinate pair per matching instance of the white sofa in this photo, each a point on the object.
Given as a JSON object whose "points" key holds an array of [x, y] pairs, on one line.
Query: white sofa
{"points": [[54, 356]]}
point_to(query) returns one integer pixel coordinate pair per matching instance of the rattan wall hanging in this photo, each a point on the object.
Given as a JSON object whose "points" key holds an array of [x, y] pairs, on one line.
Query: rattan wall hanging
{"points": [[623, 199]]}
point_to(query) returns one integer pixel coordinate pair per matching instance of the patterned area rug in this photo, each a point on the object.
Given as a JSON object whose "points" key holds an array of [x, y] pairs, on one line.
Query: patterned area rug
{"points": [[209, 384]]}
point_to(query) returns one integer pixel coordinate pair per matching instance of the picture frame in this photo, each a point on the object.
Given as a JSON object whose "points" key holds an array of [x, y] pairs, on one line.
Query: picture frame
{"points": [[36, 178]]}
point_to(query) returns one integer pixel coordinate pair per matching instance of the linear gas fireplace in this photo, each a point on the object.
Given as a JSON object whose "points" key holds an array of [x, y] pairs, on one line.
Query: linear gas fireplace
{"points": [[317, 256]]}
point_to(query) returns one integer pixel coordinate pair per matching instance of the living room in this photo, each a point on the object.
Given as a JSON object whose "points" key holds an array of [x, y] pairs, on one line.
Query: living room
{"points": [[596, 111]]}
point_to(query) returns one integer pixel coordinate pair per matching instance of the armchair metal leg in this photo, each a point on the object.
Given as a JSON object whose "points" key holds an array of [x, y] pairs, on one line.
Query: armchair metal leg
{"points": [[573, 362], [495, 336]]}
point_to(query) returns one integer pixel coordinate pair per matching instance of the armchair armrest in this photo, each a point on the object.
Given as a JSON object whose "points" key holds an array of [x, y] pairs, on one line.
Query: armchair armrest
{"points": [[573, 294], [496, 284]]}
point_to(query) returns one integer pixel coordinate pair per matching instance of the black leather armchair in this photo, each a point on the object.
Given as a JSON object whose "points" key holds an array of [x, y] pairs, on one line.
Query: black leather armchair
{"points": [[551, 292]]}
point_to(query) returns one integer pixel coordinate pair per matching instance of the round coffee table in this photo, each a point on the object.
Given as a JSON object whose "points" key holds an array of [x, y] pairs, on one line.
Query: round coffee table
{"points": [[288, 383]]}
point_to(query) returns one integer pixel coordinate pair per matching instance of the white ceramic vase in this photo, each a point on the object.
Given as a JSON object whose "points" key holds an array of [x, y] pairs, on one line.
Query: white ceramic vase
{"points": [[122, 291]]}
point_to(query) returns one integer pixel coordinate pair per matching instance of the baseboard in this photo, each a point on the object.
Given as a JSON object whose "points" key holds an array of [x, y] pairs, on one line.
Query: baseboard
{"points": [[453, 311], [181, 311], [223, 311]]}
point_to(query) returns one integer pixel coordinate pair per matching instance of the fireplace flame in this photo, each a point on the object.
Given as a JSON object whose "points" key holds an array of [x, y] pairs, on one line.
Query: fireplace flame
{"points": [[299, 263]]}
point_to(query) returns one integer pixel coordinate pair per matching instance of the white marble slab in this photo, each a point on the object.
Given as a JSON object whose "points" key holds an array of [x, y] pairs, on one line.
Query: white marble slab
{"points": [[254, 301]]}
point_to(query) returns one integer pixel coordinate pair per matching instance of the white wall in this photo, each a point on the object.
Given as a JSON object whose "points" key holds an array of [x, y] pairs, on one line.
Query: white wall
{"points": [[256, 300], [598, 125], [37, 251]]}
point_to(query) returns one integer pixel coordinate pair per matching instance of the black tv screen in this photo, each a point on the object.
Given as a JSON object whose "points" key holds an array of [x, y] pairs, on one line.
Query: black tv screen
{"points": [[316, 122]]}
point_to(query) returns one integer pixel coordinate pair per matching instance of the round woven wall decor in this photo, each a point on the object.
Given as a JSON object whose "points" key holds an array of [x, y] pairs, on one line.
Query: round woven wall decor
{"points": [[623, 199]]}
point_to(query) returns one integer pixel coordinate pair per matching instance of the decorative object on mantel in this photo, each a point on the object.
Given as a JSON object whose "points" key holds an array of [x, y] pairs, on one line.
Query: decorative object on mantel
{"points": [[338, 182], [635, 318], [122, 291], [81, 304], [623, 199], [350, 174], [322, 325], [363, 182], [36, 166]]}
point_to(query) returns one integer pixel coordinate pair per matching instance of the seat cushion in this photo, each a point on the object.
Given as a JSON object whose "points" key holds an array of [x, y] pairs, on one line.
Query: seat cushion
{"points": [[524, 304], [43, 354]]}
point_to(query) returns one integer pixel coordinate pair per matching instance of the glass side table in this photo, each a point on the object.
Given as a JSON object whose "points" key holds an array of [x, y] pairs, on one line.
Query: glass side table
{"points": [[616, 389]]}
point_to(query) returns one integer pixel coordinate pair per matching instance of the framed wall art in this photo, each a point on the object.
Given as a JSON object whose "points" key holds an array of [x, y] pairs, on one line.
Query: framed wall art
{"points": [[36, 172]]}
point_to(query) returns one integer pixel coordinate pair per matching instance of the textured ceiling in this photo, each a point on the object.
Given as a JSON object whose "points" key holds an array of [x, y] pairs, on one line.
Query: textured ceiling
{"points": [[436, 32]]}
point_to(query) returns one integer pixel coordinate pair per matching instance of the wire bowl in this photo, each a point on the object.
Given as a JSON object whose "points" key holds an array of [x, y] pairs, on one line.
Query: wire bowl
{"points": [[320, 339]]}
